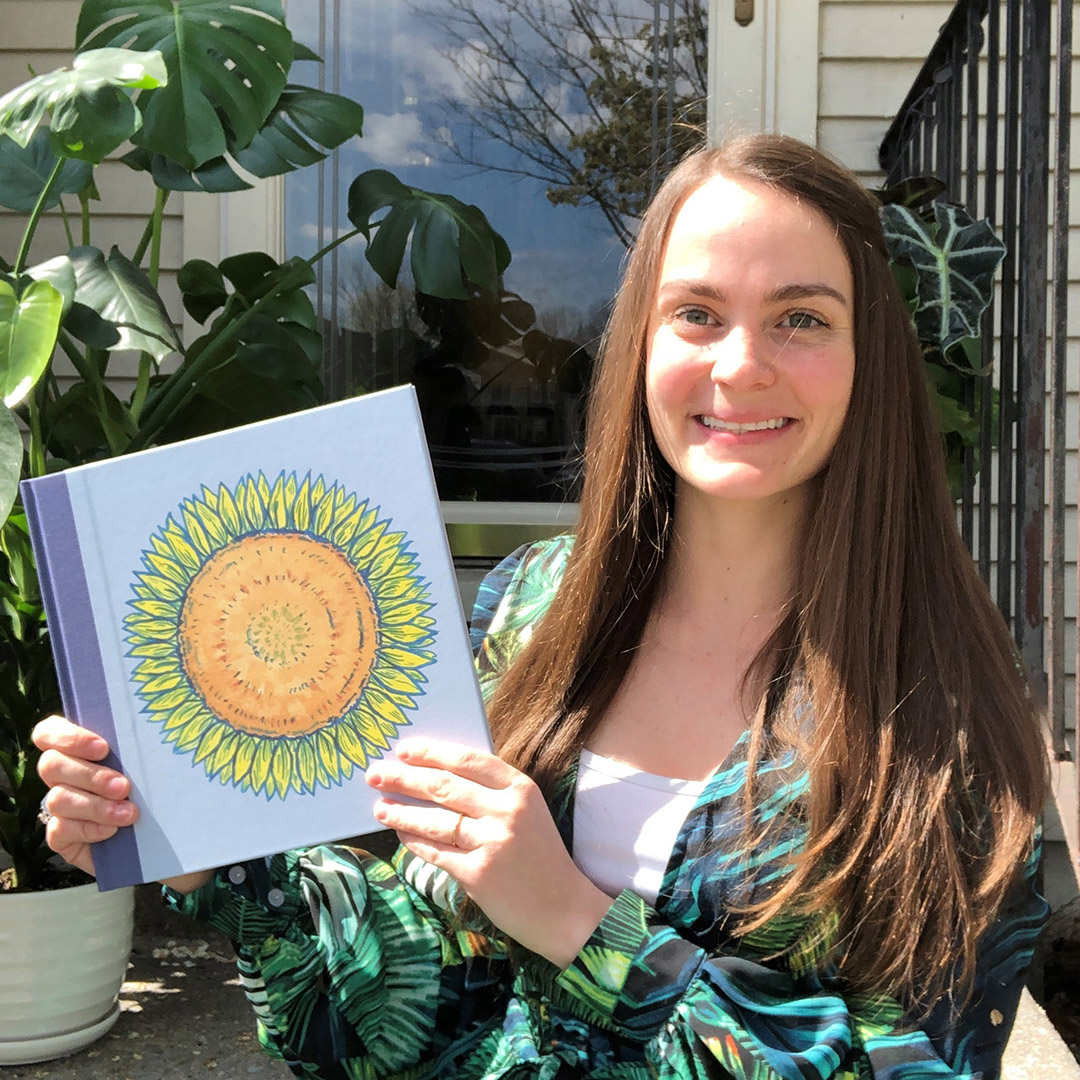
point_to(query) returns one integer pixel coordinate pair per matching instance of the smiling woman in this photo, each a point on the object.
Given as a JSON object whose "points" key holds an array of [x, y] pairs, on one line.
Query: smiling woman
{"points": [[765, 656]]}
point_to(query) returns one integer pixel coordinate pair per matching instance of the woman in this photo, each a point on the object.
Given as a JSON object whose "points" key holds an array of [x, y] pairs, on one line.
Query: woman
{"points": [[762, 698]]}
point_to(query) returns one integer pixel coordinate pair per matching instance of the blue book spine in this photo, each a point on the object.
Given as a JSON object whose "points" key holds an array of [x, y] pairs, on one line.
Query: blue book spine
{"points": [[81, 674]]}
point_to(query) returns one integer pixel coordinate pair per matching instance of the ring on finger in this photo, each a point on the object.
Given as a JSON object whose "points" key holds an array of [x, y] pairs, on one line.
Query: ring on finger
{"points": [[44, 814], [455, 839]]}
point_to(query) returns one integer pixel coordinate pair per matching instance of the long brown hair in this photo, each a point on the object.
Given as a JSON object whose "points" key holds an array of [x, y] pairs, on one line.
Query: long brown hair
{"points": [[925, 760]]}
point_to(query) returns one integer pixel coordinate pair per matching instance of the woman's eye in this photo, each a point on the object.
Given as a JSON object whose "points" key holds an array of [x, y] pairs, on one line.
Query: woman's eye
{"points": [[695, 316], [801, 320]]}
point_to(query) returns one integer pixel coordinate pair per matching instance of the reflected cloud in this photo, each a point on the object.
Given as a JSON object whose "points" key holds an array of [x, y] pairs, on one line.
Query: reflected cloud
{"points": [[395, 139]]}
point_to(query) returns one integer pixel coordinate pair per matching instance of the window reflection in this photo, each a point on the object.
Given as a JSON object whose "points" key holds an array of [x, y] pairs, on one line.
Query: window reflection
{"points": [[557, 118]]}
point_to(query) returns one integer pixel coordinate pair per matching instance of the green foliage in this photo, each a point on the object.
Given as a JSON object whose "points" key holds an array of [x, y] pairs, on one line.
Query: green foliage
{"points": [[944, 262], [229, 63], [452, 243], [25, 170], [29, 320], [127, 307], [28, 690], [954, 259], [199, 89], [90, 113]]}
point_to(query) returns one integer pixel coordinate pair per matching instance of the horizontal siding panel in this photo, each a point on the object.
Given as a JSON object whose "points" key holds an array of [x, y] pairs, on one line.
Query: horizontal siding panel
{"points": [[38, 25], [50, 238], [868, 88], [884, 30], [125, 191], [13, 65], [855, 140]]}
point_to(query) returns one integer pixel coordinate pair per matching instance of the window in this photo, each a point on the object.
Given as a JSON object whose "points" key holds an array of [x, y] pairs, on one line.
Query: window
{"points": [[557, 118]]}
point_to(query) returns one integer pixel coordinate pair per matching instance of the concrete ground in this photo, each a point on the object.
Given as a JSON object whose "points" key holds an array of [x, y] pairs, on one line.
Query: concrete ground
{"points": [[184, 1016]]}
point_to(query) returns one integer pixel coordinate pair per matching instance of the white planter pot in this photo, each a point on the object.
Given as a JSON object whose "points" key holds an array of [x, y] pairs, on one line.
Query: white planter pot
{"points": [[63, 954]]}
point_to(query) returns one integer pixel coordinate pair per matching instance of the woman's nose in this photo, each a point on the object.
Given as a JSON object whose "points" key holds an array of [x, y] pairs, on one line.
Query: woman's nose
{"points": [[741, 359]]}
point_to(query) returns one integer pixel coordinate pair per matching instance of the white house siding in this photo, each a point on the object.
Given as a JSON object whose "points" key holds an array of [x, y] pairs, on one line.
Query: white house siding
{"points": [[37, 36]]}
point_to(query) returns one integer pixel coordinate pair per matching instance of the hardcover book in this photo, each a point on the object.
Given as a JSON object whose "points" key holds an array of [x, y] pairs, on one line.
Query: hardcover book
{"points": [[249, 619]]}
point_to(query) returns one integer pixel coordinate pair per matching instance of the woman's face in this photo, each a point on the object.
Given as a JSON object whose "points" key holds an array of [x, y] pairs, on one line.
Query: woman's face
{"points": [[750, 348]]}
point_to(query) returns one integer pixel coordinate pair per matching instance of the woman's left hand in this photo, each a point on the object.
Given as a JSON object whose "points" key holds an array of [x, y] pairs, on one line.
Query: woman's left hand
{"points": [[491, 830]]}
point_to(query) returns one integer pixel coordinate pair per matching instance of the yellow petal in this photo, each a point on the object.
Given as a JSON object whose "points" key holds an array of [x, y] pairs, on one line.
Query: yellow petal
{"points": [[230, 514], [260, 767], [301, 505], [305, 764]]}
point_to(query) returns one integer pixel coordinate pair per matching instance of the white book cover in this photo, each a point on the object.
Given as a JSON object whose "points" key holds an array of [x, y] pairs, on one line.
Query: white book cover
{"points": [[250, 618]]}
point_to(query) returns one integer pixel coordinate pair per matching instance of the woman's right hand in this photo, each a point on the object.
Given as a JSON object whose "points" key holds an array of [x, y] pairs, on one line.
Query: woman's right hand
{"points": [[87, 801]]}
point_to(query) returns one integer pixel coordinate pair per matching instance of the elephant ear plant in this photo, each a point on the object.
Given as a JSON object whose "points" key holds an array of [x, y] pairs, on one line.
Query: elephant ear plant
{"points": [[944, 262], [197, 93]]}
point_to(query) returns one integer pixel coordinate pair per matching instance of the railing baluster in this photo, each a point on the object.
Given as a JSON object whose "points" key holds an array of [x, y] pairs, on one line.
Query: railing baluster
{"points": [[1062, 146], [1007, 406], [1031, 323], [989, 209], [967, 108]]}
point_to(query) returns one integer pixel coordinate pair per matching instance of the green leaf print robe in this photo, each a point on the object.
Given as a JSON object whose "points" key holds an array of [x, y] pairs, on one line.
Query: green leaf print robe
{"points": [[354, 970]]}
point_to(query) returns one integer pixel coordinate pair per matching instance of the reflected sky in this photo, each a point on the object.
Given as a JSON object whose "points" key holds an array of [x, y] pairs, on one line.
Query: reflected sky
{"points": [[398, 60]]}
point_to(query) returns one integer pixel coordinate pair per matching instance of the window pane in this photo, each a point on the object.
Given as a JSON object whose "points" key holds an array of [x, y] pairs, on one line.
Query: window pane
{"points": [[557, 118]]}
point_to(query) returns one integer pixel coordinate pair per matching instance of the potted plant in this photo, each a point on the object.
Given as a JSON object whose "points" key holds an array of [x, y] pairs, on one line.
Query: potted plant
{"points": [[258, 356]]}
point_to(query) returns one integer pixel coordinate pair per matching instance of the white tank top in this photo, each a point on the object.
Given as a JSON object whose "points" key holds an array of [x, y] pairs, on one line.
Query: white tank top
{"points": [[626, 822]]}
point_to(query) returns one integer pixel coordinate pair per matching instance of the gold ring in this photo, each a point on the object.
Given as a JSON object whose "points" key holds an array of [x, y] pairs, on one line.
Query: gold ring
{"points": [[455, 839]]}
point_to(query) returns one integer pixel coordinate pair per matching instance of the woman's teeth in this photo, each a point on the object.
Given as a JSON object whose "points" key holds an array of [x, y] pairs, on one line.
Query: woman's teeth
{"points": [[739, 429]]}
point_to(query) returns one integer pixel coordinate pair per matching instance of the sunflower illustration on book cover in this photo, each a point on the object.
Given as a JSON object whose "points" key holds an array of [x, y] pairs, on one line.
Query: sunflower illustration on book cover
{"points": [[280, 631]]}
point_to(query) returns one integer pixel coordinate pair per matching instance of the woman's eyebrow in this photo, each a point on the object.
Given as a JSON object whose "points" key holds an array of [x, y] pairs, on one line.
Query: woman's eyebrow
{"points": [[805, 291], [798, 291], [691, 285]]}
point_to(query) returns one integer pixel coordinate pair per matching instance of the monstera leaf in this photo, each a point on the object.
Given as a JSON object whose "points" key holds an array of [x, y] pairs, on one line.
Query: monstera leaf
{"points": [[954, 258], [227, 62], [304, 126], [91, 113], [25, 170], [304, 123], [451, 242], [119, 294]]}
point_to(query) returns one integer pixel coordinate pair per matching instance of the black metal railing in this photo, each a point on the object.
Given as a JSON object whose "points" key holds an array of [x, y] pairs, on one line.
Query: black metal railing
{"points": [[978, 117]]}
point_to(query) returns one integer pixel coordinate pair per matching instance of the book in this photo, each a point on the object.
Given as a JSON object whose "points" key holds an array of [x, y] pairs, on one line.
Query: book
{"points": [[249, 619]]}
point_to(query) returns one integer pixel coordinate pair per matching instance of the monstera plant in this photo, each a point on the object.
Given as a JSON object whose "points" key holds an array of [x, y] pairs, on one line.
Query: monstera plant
{"points": [[945, 262], [196, 95]]}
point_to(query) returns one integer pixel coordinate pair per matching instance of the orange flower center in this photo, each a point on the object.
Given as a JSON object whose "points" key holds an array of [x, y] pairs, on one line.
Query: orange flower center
{"points": [[278, 634]]}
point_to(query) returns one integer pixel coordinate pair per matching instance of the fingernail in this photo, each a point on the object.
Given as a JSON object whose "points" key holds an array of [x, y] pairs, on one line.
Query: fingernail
{"points": [[117, 787], [123, 811], [374, 777]]}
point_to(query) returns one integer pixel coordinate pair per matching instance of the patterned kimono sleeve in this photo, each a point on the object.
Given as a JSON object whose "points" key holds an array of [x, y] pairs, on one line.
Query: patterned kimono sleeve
{"points": [[345, 965], [512, 599], [636, 975]]}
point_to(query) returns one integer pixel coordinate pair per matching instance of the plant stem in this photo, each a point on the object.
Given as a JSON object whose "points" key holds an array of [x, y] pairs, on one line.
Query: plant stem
{"points": [[179, 385], [161, 197], [142, 386], [84, 205], [35, 217], [67, 224], [36, 451], [146, 361], [152, 232]]}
